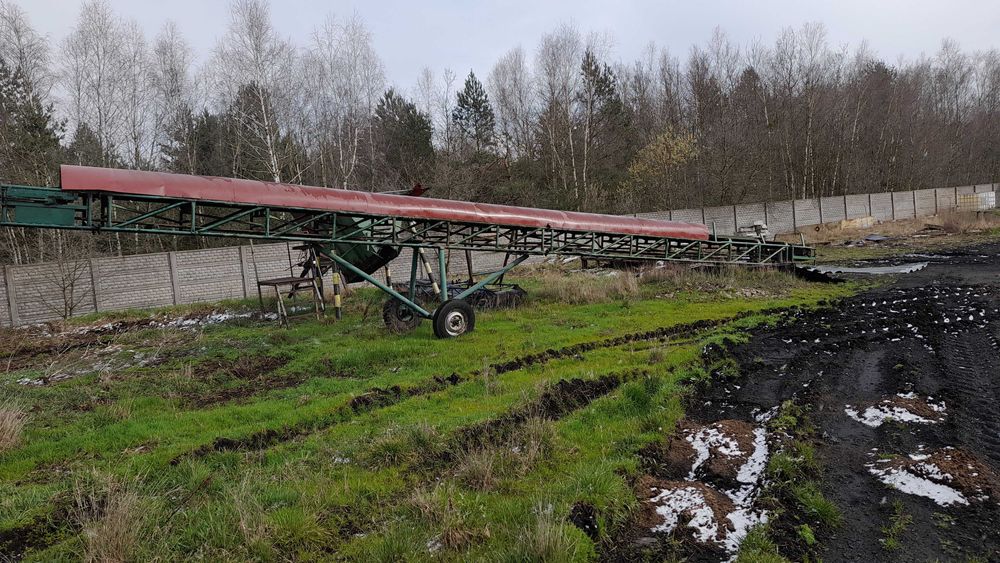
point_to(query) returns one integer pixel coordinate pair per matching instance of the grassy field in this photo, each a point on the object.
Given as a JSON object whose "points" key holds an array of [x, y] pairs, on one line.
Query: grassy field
{"points": [[339, 441]]}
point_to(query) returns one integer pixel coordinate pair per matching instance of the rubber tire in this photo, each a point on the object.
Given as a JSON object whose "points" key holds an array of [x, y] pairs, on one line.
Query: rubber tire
{"points": [[399, 318], [454, 318]]}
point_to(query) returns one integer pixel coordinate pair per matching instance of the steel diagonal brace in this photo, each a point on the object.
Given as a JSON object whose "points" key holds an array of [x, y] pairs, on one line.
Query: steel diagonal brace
{"points": [[228, 219], [686, 248], [724, 246], [359, 230], [385, 288], [492, 277], [288, 227], [612, 248], [150, 214]]}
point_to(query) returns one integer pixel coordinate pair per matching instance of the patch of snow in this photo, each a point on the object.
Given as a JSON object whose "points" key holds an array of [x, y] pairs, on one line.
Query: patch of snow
{"points": [[704, 440], [876, 415], [671, 503], [907, 482]]}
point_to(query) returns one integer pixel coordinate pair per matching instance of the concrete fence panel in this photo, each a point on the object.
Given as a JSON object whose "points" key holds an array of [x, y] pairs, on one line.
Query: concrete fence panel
{"points": [[926, 204], [903, 204], [688, 215], [264, 261], [780, 217], [945, 199], [208, 275], [722, 219], [857, 206], [45, 291], [5, 313], [750, 213], [833, 209], [657, 215], [806, 212], [881, 205], [130, 282]]}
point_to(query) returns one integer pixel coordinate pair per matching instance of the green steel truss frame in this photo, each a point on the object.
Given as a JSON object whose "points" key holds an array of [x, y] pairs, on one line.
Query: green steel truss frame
{"points": [[97, 211], [327, 231]]}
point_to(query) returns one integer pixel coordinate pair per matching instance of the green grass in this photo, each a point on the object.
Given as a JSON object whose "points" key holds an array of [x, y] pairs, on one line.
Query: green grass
{"points": [[393, 480], [898, 523]]}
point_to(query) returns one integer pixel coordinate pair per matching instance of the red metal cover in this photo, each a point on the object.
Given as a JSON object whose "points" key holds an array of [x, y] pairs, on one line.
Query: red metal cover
{"points": [[229, 190]]}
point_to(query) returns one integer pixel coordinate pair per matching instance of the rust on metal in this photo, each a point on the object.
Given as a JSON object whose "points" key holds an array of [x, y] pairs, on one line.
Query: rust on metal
{"points": [[209, 188]]}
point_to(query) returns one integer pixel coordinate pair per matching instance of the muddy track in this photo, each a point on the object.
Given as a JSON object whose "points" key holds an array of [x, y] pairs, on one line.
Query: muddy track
{"points": [[931, 334], [556, 401], [675, 331], [383, 397], [369, 401]]}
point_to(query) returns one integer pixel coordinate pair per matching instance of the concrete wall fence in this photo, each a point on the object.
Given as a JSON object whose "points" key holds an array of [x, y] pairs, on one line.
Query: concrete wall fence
{"points": [[44, 292]]}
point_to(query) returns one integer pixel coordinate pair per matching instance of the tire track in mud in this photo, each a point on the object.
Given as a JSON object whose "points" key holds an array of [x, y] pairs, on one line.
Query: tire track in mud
{"points": [[970, 360], [382, 397], [556, 402], [931, 333]]}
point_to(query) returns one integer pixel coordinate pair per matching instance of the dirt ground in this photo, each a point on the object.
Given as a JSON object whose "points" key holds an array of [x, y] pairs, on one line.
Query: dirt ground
{"points": [[903, 385]]}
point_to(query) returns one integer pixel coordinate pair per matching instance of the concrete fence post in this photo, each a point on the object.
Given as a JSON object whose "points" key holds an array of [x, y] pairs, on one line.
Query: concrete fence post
{"points": [[8, 276], [819, 203], [703, 221], [892, 204], [795, 223], [736, 221], [767, 220], [936, 205], [914, 194], [871, 211], [172, 266], [243, 271], [954, 202], [844, 199], [95, 279]]}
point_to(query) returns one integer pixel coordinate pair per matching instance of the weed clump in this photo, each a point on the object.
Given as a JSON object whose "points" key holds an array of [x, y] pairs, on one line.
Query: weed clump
{"points": [[582, 288], [898, 522], [441, 508], [111, 515], [13, 418], [813, 502], [551, 538]]}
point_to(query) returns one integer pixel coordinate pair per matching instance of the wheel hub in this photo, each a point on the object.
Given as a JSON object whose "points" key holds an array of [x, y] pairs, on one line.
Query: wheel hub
{"points": [[455, 323]]}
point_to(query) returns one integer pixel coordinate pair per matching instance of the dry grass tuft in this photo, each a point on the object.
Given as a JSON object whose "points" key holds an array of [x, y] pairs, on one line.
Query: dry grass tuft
{"points": [[440, 508], [578, 288], [486, 468], [550, 539], [110, 515], [13, 418], [963, 223], [480, 469], [536, 441]]}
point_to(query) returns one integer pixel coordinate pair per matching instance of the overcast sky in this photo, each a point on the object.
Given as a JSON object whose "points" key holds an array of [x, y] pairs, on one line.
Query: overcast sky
{"points": [[463, 35]]}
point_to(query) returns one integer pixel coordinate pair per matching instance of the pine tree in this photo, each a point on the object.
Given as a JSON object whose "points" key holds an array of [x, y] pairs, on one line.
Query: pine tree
{"points": [[473, 114], [29, 133], [86, 150], [197, 145], [405, 137]]}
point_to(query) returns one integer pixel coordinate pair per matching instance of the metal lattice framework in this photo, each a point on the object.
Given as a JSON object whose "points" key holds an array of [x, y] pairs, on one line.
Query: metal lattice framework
{"points": [[334, 235], [155, 215]]}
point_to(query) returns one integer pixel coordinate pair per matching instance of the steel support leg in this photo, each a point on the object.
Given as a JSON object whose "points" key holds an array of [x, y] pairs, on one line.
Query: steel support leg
{"points": [[443, 272], [392, 292], [414, 264]]}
